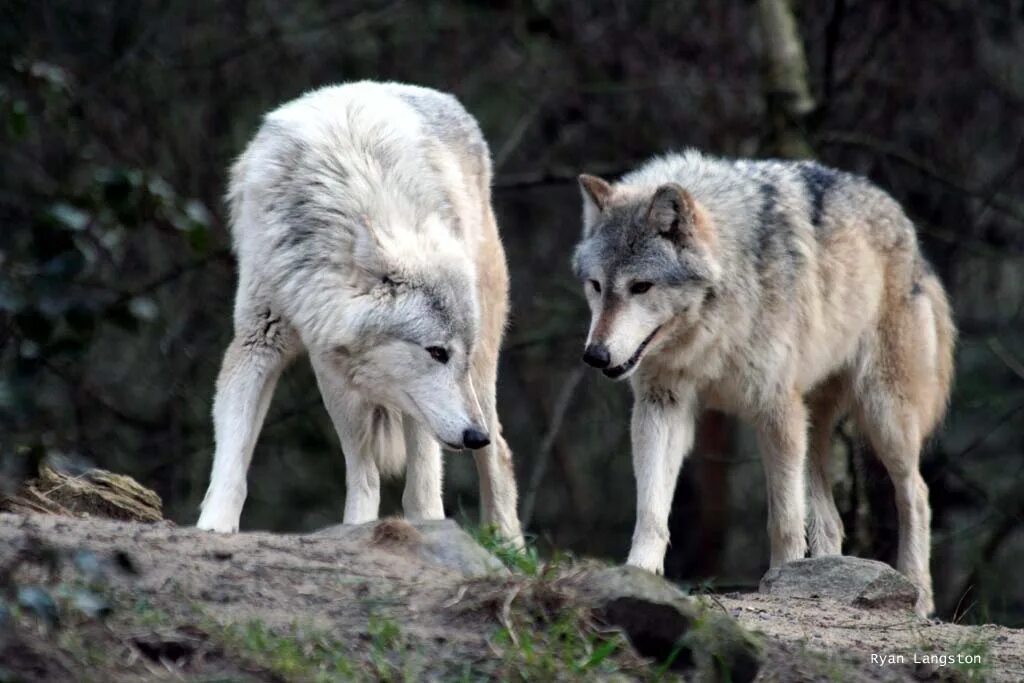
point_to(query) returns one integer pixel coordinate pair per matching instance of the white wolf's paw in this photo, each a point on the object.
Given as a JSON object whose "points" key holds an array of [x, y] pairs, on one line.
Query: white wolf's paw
{"points": [[653, 565], [219, 524]]}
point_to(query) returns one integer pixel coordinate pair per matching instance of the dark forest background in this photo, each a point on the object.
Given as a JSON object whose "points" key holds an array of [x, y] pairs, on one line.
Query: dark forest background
{"points": [[120, 118]]}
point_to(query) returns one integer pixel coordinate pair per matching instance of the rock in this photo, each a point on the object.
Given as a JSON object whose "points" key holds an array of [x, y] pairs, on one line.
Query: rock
{"points": [[663, 623], [850, 580], [441, 542]]}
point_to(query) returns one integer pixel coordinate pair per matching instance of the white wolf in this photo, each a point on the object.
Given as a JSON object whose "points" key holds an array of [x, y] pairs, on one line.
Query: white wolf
{"points": [[362, 223]]}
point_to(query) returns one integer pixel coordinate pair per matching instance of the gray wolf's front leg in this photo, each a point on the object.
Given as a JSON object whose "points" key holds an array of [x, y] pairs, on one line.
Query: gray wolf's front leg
{"points": [[662, 434], [783, 440]]}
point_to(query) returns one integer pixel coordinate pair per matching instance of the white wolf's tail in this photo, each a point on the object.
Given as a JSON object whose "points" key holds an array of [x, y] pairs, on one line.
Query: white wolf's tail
{"points": [[383, 439]]}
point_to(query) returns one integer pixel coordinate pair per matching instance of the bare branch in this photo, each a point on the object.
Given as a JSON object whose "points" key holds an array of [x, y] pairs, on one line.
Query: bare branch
{"points": [[547, 445]]}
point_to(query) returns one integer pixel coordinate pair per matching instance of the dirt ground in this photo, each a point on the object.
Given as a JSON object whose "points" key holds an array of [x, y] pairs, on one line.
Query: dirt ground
{"points": [[159, 602]]}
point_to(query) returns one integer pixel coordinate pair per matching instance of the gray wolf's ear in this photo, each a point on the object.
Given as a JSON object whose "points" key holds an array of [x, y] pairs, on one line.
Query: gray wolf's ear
{"points": [[672, 211], [595, 193]]}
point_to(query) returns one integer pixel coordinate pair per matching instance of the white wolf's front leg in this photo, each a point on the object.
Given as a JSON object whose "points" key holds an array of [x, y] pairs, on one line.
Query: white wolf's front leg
{"points": [[422, 496], [252, 364], [351, 417], [662, 435]]}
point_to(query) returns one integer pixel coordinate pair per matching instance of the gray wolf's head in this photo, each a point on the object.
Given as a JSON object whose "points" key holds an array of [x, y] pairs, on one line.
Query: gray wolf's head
{"points": [[646, 261], [412, 325]]}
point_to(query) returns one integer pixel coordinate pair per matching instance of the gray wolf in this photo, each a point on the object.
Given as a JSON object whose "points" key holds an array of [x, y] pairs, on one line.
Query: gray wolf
{"points": [[786, 293], [362, 222]]}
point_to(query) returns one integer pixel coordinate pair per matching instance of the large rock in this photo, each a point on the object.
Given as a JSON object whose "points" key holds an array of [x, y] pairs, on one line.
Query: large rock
{"points": [[663, 623], [850, 580], [442, 543]]}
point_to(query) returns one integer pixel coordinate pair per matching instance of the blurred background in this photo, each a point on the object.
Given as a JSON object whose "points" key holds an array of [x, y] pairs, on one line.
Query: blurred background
{"points": [[120, 118]]}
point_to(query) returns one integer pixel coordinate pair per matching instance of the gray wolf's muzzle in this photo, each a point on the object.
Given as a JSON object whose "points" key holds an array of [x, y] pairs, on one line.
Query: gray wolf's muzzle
{"points": [[597, 356]]}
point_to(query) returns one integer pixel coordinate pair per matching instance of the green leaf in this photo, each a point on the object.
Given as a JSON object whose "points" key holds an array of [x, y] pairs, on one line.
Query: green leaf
{"points": [[144, 308], [601, 653], [69, 216]]}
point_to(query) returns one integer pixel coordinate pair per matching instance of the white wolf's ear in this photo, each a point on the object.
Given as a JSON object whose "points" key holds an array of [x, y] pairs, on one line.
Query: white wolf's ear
{"points": [[672, 211], [595, 193]]}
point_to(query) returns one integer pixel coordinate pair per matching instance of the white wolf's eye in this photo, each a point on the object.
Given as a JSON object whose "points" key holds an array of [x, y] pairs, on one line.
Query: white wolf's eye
{"points": [[596, 285], [438, 353], [640, 287]]}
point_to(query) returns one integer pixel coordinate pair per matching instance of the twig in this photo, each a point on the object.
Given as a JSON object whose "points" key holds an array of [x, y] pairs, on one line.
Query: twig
{"points": [[1003, 354], [506, 614], [515, 136], [850, 139], [548, 444], [173, 274], [457, 599]]}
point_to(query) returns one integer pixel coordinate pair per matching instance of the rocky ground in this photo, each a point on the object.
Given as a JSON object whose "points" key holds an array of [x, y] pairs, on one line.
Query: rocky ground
{"points": [[91, 599]]}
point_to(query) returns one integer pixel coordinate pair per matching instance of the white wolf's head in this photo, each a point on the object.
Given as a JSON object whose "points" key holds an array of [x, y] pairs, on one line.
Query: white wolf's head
{"points": [[411, 324], [647, 264]]}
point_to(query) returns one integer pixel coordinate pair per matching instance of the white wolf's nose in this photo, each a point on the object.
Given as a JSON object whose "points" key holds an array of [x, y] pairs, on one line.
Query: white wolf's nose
{"points": [[475, 438]]}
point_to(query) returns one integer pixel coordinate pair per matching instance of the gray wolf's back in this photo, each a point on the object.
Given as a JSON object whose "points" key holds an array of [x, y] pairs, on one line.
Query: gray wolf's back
{"points": [[760, 197]]}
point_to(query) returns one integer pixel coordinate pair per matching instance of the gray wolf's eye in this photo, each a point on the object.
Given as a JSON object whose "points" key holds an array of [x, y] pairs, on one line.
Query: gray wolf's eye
{"points": [[596, 285], [438, 353], [640, 287]]}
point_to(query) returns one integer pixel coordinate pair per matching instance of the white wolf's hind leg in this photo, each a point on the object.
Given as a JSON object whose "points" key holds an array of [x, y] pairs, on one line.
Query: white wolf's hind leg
{"points": [[783, 441], [351, 417], [662, 434], [498, 492], [252, 365], [422, 496]]}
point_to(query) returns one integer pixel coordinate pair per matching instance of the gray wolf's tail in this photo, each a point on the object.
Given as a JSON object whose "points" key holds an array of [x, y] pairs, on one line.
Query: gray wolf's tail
{"points": [[945, 337]]}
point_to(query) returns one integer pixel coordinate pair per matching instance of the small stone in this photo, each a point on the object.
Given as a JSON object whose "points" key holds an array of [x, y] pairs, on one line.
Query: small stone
{"points": [[442, 543], [849, 580]]}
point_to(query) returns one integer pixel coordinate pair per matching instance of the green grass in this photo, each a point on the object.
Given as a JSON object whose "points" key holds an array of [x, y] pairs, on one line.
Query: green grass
{"points": [[524, 560], [297, 654], [564, 649], [976, 647]]}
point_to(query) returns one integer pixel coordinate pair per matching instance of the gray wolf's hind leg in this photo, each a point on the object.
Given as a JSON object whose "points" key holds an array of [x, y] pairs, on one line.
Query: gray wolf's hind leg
{"points": [[827, 405], [252, 364], [422, 496], [782, 436], [895, 402], [892, 426]]}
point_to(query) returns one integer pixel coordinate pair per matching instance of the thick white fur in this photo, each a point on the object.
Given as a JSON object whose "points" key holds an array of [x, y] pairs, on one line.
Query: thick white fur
{"points": [[362, 224]]}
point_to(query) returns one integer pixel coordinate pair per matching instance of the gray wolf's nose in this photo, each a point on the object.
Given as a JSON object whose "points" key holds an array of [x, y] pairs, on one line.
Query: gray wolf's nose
{"points": [[597, 355], [475, 438]]}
